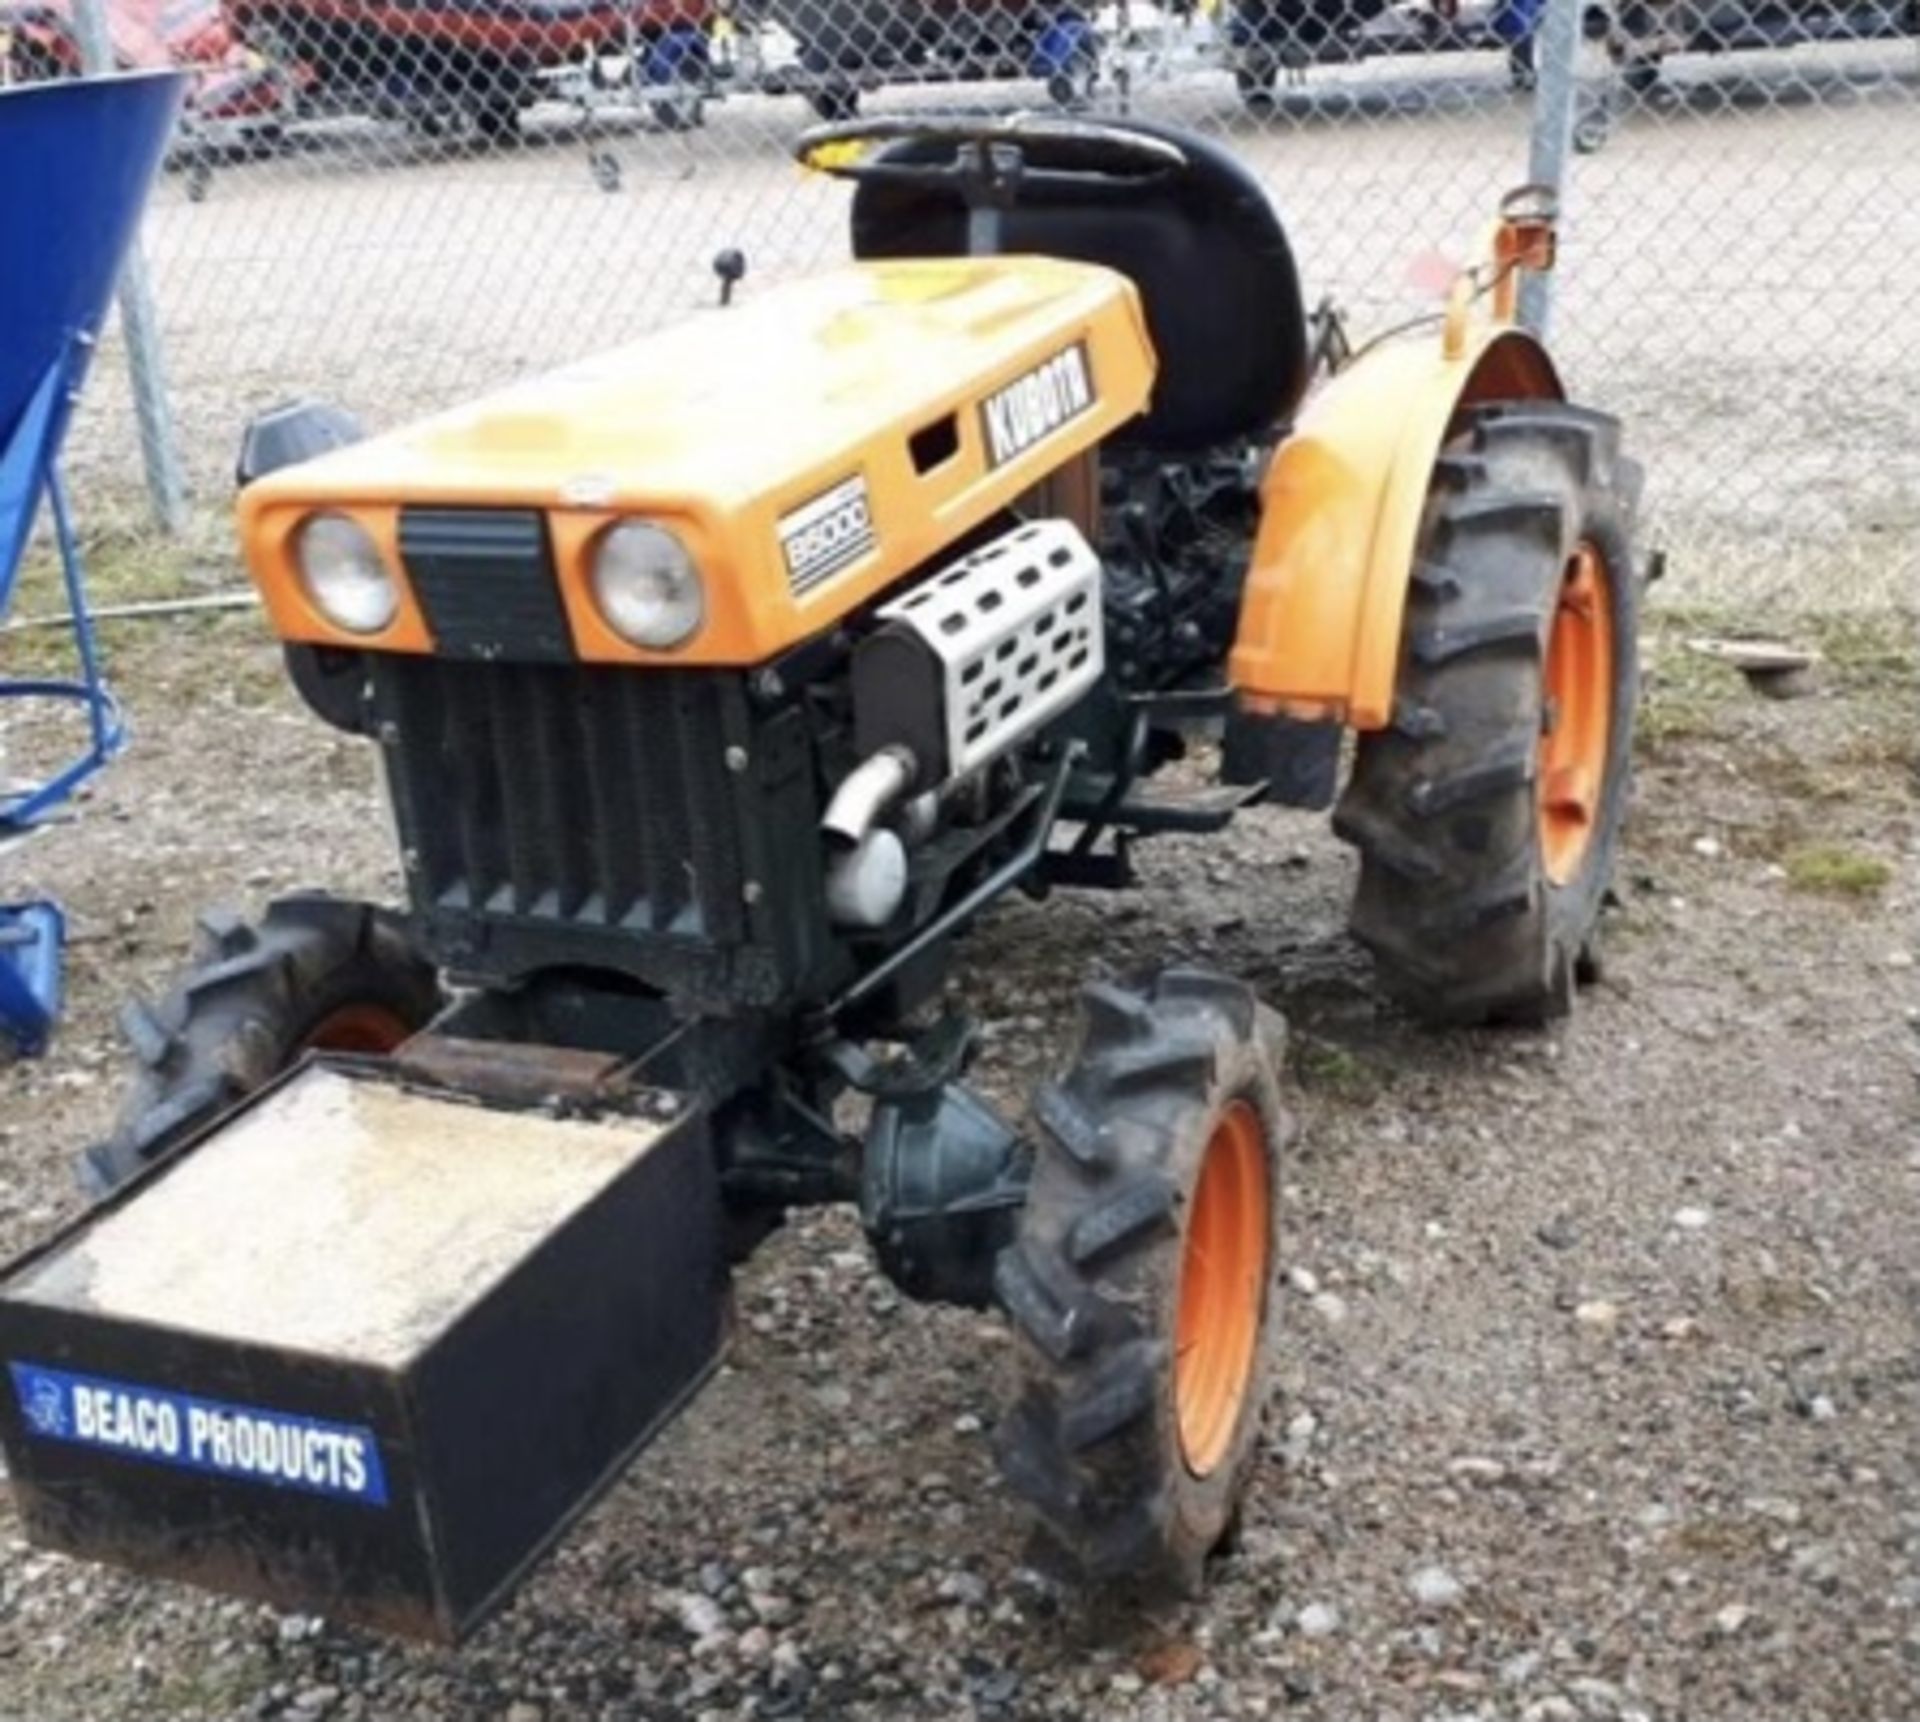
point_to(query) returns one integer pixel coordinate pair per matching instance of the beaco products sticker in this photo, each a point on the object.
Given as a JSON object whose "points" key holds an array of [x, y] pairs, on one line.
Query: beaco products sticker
{"points": [[276, 1448]]}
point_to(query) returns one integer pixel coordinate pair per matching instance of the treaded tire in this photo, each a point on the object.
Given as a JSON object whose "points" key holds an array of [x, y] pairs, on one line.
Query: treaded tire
{"points": [[1455, 900], [1092, 1283], [252, 1000]]}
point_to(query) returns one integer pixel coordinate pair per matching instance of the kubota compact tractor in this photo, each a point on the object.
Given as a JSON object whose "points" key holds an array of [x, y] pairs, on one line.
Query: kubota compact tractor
{"points": [[720, 682]]}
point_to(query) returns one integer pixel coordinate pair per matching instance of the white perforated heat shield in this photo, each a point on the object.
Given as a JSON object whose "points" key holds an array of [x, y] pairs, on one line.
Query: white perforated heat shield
{"points": [[1016, 626]]}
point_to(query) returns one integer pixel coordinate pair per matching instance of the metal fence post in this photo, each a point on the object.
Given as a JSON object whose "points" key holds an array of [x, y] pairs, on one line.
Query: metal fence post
{"points": [[1556, 94], [166, 490]]}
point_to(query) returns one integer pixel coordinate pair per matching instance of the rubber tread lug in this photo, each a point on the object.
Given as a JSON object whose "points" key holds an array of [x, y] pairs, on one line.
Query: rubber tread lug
{"points": [[264, 960], [1142, 1207], [1208, 987], [1055, 1324], [198, 1099], [1031, 1465], [1167, 1062], [1575, 436], [1459, 472], [1417, 722], [1127, 1544], [1501, 901], [1434, 580], [225, 933], [1505, 509], [1116, 1398], [1428, 797], [1382, 843], [1072, 1126], [1442, 643], [1115, 1012], [145, 1033]]}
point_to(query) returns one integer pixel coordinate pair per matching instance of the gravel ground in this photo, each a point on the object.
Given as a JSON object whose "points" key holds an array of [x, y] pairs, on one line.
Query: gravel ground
{"points": [[1600, 1387]]}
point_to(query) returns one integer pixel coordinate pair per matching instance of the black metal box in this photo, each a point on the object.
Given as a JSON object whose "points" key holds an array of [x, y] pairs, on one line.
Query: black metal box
{"points": [[366, 1349]]}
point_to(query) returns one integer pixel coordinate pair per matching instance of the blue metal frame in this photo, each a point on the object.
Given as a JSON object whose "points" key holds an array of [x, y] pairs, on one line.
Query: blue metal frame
{"points": [[32, 934], [106, 728]]}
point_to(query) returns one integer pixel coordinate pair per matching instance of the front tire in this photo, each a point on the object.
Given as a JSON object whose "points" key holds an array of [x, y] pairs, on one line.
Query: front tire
{"points": [[316, 973], [1488, 812], [1141, 1283]]}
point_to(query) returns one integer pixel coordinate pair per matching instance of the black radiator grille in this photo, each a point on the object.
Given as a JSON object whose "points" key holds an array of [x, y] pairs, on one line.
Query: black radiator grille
{"points": [[484, 579], [578, 794]]}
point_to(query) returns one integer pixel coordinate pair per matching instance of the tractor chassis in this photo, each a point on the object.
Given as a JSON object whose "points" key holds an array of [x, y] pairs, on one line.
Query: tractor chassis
{"points": [[939, 1176]]}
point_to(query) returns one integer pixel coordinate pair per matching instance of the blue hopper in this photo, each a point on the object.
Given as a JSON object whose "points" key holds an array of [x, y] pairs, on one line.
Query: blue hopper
{"points": [[79, 157]]}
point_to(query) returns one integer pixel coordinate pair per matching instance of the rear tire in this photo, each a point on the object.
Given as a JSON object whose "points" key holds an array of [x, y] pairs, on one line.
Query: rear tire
{"points": [[316, 973], [1487, 813], [1140, 1284]]}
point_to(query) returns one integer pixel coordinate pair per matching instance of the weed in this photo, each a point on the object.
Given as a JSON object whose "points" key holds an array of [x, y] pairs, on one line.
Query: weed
{"points": [[1334, 1070], [1836, 872]]}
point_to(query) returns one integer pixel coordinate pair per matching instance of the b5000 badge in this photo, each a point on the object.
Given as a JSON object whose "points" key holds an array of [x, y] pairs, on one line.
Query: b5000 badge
{"points": [[827, 534]]}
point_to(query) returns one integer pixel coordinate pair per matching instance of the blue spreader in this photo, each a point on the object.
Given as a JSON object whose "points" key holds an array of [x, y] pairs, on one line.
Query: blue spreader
{"points": [[79, 157]]}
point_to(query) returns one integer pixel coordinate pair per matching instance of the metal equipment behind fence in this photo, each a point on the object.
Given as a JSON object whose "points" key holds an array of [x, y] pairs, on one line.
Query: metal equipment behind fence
{"points": [[401, 208]]}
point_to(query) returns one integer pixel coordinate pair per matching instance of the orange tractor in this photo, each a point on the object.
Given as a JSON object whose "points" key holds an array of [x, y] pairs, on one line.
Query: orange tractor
{"points": [[720, 683]]}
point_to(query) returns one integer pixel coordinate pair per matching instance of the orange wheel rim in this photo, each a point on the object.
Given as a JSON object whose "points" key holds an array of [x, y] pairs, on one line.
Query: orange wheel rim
{"points": [[1223, 1289], [369, 1028], [1576, 727]]}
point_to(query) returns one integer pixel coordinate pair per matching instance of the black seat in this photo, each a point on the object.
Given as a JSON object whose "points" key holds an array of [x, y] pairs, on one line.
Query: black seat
{"points": [[1203, 245]]}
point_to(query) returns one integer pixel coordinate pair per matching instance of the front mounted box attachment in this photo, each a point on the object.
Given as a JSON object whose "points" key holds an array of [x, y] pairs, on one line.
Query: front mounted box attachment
{"points": [[367, 1348]]}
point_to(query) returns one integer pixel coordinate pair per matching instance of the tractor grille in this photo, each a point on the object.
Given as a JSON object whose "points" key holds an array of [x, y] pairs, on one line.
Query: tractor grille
{"points": [[575, 794], [484, 578]]}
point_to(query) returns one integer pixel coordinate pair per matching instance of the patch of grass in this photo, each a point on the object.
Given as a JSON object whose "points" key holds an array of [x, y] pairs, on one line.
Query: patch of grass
{"points": [[129, 565], [1891, 745], [1682, 694], [1323, 1067], [122, 565], [197, 1693], [1719, 1537], [1831, 871], [1871, 650], [1668, 717]]}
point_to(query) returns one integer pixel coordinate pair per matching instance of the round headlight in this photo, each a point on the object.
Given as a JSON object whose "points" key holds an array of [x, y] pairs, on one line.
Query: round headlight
{"points": [[646, 585], [345, 575]]}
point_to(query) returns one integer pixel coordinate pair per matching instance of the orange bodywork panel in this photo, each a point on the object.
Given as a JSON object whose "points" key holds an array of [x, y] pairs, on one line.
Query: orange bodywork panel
{"points": [[1341, 505], [937, 390]]}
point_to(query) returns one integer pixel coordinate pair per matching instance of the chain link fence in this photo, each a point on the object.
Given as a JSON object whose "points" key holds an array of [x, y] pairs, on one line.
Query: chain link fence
{"points": [[397, 203]]}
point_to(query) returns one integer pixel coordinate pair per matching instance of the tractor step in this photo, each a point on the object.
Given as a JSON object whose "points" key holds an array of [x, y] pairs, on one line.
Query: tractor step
{"points": [[1202, 810], [367, 1347]]}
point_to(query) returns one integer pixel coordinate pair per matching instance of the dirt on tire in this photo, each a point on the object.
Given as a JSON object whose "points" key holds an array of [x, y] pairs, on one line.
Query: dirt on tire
{"points": [[1095, 1285], [1457, 898]]}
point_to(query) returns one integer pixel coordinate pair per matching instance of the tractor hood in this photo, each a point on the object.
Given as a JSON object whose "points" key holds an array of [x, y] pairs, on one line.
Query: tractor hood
{"points": [[808, 448]]}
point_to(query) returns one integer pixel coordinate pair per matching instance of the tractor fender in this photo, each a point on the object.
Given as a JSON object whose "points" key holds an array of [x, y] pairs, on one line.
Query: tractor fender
{"points": [[1340, 512]]}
